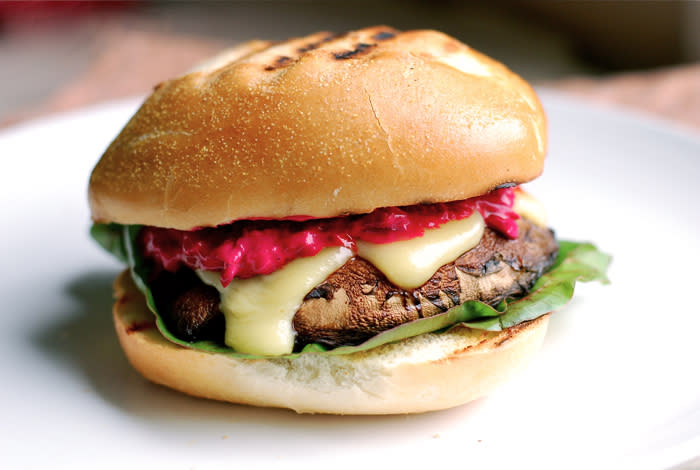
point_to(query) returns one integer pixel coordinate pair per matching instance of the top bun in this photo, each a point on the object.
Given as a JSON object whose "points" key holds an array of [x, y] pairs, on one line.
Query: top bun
{"points": [[321, 126]]}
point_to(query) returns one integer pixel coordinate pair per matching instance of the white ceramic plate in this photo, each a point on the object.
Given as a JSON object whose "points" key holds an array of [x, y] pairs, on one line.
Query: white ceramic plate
{"points": [[616, 383]]}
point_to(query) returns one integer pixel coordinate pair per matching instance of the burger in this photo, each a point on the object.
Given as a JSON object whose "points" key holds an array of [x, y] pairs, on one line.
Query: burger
{"points": [[335, 224]]}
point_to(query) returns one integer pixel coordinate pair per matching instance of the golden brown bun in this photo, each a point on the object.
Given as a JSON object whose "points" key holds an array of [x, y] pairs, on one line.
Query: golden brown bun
{"points": [[428, 372], [321, 126]]}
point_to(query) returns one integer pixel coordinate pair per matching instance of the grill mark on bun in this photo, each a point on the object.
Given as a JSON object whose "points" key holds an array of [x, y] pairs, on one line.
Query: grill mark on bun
{"points": [[360, 49], [510, 333], [140, 326], [281, 61], [507, 336], [383, 36], [315, 45]]}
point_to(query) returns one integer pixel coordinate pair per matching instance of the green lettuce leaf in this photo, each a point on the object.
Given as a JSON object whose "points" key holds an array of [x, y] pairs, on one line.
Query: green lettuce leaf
{"points": [[575, 262], [109, 237]]}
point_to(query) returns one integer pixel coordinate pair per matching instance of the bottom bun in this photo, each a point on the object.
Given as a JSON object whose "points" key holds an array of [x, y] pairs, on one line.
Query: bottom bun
{"points": [[424, 373]]}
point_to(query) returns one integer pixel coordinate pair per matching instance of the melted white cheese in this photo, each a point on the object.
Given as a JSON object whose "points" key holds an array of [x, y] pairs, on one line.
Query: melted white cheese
{"points": [[411, 263], [530, 208], [259, 310]]}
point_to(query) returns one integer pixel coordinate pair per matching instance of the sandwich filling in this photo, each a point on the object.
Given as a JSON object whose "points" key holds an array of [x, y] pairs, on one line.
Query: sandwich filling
{"points": [[283, 284], [250, 248]]}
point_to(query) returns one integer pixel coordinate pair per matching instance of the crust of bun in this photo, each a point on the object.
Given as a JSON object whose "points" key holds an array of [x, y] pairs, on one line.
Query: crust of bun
{"points": [[321, 126], [425, 373]]}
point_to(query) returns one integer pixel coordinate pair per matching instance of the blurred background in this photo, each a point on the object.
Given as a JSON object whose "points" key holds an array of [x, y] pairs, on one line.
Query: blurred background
{"points": [[60, 55]]}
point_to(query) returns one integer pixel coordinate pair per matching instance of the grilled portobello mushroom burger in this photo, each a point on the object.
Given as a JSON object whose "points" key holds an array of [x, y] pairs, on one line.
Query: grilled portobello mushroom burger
{"points": [[333, 224]]}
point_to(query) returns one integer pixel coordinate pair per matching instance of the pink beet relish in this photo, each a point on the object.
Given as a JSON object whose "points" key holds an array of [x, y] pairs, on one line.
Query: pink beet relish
{"points": [[246, 248]]}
